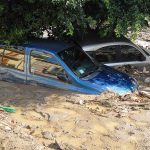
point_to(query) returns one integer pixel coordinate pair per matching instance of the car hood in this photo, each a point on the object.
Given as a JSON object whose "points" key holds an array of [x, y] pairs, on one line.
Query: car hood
{"points": [[109, 79]]}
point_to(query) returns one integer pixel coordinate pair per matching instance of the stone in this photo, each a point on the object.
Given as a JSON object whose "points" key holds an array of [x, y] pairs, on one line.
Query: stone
{"points": [[81, 102], [48, 135], [147, 80], [7, 128], [125, 110], [28, 127], [145, 70]]}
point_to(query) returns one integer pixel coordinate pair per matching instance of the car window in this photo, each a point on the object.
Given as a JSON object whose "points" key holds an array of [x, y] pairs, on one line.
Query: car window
{"points": [[12, 58], [129, 53], [117, 53], [78, 61], [44, 64], [108, 54]]}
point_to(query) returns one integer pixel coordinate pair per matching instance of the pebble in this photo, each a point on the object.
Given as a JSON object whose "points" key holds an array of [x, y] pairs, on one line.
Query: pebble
{"points": [[81, 102], [48, 135], [7, 128], [125, 110], [147, 80], [28, 127]]}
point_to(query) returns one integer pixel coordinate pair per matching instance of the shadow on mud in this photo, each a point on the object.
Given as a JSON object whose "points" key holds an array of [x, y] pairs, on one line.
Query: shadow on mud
{"points": [[21, 95]]}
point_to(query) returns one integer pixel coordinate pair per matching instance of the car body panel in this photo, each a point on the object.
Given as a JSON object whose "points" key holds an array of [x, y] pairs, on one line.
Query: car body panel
{"points": [[53, 46], [11, 75], [104, 79], [118, 82], [35, 79]]}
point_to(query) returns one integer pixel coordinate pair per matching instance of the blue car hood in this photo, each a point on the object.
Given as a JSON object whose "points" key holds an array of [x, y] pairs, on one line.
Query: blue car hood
{"points": [[109, 79]]}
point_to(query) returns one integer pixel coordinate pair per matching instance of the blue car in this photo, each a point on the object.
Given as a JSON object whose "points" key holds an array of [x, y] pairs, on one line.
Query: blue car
{"points": [[62, 65]]}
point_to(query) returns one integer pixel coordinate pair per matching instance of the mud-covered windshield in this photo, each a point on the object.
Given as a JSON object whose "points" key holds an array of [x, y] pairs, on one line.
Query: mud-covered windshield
{"points": [[78, 61]]}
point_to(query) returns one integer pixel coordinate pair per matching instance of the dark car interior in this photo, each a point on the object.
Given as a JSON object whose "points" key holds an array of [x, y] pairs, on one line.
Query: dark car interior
{"points": [[117, 53]]}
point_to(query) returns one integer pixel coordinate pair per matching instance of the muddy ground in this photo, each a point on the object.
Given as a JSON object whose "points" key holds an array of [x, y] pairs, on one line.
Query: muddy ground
{"points": [[55, 119]]}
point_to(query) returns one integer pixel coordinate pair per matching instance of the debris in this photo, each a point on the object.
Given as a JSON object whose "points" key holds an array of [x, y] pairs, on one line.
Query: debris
{"points": [[64, 146], [131, 133], [48, 135], [145, 70], [147, 80], [28, 127], [125, 110], [7, 128], [54, 146], [81, 102], [145, 94], [8, 109]]}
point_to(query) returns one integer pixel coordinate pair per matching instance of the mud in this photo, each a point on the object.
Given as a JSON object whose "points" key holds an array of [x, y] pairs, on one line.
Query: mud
{"points": [[56, 119], [52, 119]]}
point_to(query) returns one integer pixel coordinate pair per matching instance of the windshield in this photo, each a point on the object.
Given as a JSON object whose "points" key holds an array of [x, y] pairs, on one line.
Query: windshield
{"points": [[78, 61]]}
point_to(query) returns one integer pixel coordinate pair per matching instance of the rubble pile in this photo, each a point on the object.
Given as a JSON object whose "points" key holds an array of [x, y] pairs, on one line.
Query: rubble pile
{"points": [[119, 106]]}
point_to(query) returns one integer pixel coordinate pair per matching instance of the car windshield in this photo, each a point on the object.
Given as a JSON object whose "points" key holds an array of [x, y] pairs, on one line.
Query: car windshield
{"points": [[78, 61]]}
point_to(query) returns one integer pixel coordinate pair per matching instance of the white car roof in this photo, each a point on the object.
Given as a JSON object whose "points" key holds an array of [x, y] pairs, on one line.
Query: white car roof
{"points": [[94, 47]]}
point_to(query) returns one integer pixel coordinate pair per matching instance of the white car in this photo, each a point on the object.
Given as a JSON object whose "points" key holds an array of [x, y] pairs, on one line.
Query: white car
{"points": [[116, 52]]}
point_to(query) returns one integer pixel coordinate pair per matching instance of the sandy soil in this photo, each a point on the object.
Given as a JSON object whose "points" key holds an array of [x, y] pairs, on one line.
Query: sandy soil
{"points": [[56, 119]]}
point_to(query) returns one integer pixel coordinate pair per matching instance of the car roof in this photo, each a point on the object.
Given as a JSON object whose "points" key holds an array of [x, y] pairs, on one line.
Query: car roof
{"points": [[48, 45], [95, 39], [94, 42]]}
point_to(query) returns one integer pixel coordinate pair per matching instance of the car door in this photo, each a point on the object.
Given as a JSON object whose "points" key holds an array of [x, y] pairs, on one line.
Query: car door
{"points": [[12, 64], [117, 55], [44, 69]]}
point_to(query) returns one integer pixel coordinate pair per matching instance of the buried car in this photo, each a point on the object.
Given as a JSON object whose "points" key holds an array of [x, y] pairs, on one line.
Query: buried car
{"points": [[116, 51], [62, 65]]}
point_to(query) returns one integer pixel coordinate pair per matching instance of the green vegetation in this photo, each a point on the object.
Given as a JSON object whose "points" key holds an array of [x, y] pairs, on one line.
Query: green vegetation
{"points": [[20, 19]]}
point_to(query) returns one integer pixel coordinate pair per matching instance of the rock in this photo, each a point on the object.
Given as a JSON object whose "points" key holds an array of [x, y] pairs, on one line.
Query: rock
{"points": [[48, 135], [145, 93], [7, 128], [123, 114], [147, 80], [54, 146], [46, 116], [64, 146], [32, 132], [145, 70], [77, 101], [106, 103], [125, 110], [28, 127], [131, 133], [134, 108], [81, 102]]}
